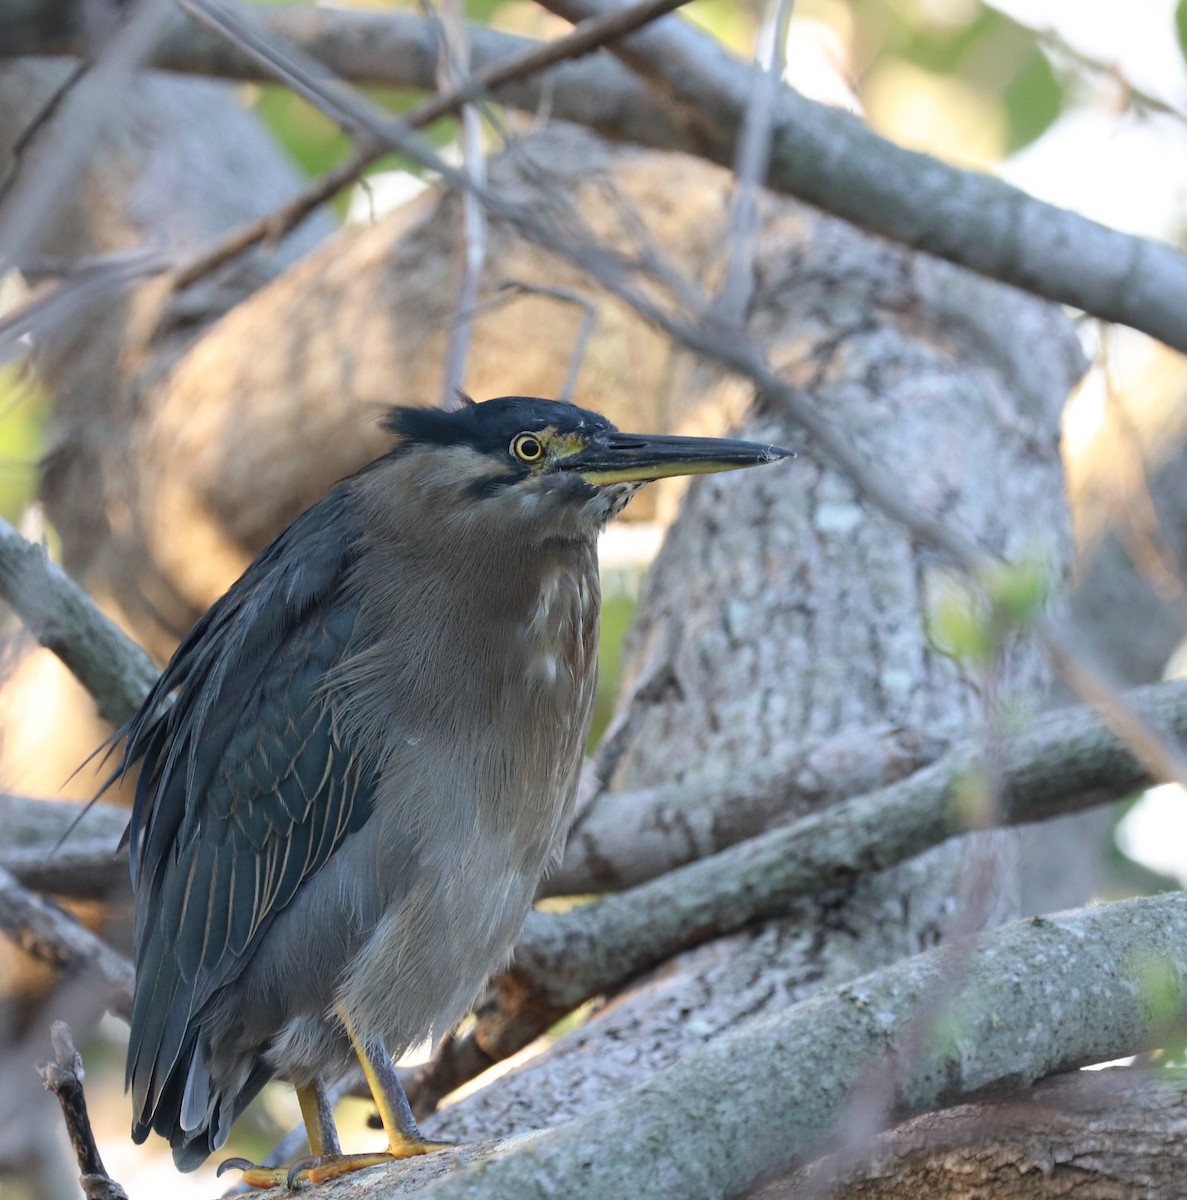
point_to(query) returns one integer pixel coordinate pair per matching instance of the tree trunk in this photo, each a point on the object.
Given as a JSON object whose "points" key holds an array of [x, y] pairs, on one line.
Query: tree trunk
{"points": [[781, 611]]}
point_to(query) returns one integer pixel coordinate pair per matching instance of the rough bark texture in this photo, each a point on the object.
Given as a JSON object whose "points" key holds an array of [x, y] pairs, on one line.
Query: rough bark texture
{"points": [[780, 611], [213, 440], [919, 1035], [624, 838], [1092, 1135]]}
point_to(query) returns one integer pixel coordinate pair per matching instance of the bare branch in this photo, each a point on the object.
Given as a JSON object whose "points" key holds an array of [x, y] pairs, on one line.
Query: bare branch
{"points": [[832, 160], [52, 936], [750, 168], [1092, 1135], [64, 619], [64, 1078], [81, 287], [1020, 1012], [510, 289], [91, 865], [824, 156], [626, 838], [1068, 762], [454, 73], [514, 67]]}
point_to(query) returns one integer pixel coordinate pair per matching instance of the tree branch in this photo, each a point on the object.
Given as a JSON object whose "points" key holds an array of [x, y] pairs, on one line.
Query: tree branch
{"points": [[1068, 762], [626, 838], [1089, 1135], [52, 936], [820, 154], [753, 1104], [63, 619], [537, 57], [64, 1078], [91, 863]]}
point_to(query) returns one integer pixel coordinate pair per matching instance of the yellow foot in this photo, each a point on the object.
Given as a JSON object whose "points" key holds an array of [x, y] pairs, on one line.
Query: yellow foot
{"points": [[328, 1166]]}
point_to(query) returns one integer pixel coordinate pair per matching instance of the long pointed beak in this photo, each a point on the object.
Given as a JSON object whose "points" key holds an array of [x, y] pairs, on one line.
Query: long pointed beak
{"points": [[630, 458]]}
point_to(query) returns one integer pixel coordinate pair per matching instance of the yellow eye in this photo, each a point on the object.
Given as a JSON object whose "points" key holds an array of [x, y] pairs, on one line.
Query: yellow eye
{"points": [[527, 448]]}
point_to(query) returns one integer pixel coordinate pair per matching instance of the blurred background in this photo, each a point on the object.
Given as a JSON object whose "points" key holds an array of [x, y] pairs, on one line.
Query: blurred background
{"points": [[1082, 103]]}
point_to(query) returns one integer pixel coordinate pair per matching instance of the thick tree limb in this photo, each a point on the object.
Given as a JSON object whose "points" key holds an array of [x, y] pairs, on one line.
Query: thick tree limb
{"points": [[63, 619], [1029, 1000], [90, 864], [1069, 761], [820, 154], [1088, 1135], [53, 936], [625, 838]]}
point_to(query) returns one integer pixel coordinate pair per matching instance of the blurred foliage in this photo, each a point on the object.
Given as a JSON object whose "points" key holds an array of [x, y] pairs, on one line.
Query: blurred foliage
{"points": [[1005, 79], [971, 622], [316, 144], [1181, 26], [23, 414], [618, 610]]}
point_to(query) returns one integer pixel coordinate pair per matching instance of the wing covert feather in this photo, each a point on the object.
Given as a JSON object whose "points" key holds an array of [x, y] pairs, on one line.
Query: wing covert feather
{"points": [[235, 807]]}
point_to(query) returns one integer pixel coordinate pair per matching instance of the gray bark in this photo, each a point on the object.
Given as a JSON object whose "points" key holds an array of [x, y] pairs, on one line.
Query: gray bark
{"points": [[1090, 1135], [947, 1027], [51, 936], [782, 613], [116, 672], [819, 154], [624, 838]]}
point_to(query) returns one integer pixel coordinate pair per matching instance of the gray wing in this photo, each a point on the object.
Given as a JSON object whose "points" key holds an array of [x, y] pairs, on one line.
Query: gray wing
{"points": [[246, 789]]}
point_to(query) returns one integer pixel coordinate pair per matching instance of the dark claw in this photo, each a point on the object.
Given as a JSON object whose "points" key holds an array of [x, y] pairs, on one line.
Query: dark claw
{"points": [[234, 1164], [302, 1164]]}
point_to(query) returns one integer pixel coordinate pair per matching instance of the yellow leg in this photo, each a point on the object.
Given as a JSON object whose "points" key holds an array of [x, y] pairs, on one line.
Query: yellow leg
{"points": [[404, 1139], [319, 1119], [319, 1129]]}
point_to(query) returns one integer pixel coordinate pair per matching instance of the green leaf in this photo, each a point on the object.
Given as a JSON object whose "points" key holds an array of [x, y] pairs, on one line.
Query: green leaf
{"points": [[1181, 26], [958, 626]]}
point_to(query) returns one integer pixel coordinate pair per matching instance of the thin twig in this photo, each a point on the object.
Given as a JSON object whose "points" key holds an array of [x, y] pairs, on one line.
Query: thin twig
{"points": [[88, 283], [23, 145], [587, 37], [36, 192], [64, 1078], [822, 155], [880, 488], [1133, 95], [750, 167], [510, 289], [454, 73]]}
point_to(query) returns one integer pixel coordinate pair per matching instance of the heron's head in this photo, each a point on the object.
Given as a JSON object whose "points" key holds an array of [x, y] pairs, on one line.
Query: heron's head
{"points": [[564, 470]]}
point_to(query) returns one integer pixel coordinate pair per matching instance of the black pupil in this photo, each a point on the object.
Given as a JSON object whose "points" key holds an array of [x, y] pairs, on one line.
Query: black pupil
{"points": [[529, 447]]}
